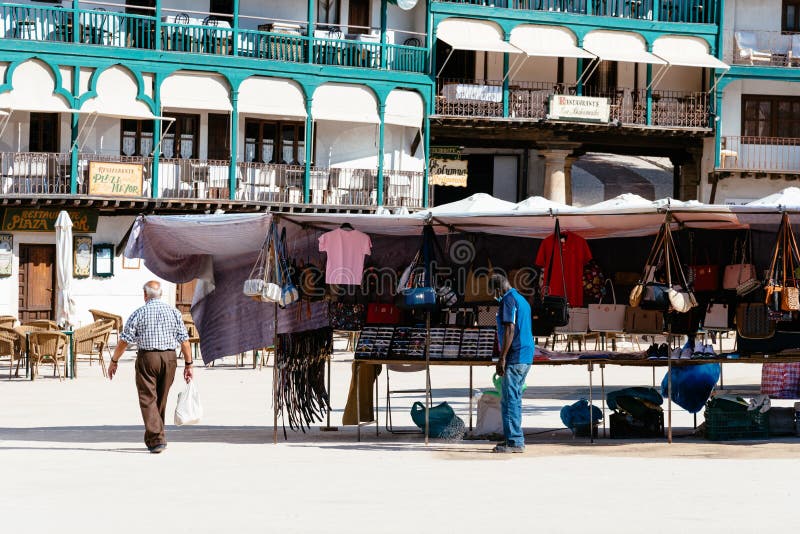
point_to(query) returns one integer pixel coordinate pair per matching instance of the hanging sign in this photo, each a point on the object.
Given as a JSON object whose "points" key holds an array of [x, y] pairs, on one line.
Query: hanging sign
{"points": [[446, 152], [115, 179], [448, 172], [6, 254], [579, 108], [44, 220]]}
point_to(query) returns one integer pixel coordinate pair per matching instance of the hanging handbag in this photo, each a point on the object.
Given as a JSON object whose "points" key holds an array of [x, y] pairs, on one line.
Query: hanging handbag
{"points": [[741, 274], [654, 297], [550, 310], [289, 292], [578, 322], [254, 285], [607, 317], [271, 292], [476, 286], [641, 321], [717, 317], [378, 313], [681, 298], [790, 297], [753, 322]]}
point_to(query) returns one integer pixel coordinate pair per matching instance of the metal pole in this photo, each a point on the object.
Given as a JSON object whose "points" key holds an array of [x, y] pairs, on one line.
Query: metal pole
{"points": [[470, 397], [603, 393], [356, 372], [591, 421], [328, 427], [275, 379], [427, 375]]}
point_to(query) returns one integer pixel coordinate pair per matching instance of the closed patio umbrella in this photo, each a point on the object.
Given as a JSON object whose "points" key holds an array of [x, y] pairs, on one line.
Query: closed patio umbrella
{"points": [[65, 305]]}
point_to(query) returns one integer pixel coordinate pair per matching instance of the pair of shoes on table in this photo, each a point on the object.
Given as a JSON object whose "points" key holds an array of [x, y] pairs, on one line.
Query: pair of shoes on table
{"points": [[658, 352], [502, 448], [704, 352], [157, 449]]}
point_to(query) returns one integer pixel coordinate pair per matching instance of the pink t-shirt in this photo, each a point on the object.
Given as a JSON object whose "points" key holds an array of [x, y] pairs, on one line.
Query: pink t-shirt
{"points": [[346, 250]]}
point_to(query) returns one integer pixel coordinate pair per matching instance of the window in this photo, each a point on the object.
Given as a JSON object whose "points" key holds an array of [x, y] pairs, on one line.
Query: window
{"points": [[328, 12], [135, 7], [770, 116], [180, 137], [275, 142], [790, 19], [43, 136], [222, 7], [137, 138], [603, 81]]}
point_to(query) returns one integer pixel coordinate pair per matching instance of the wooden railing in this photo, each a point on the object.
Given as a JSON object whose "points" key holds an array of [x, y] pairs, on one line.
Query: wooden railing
{"points": [[691, 11], [124, 30], [530, 100], [760, 154]]}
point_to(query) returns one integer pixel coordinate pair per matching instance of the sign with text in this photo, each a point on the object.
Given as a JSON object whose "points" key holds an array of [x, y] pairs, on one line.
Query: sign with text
{"points": [[115, 179], [44, 220], [448, 172], [579, 108]]}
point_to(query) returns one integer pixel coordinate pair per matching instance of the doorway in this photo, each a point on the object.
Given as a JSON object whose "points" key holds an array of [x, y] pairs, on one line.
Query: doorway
{"points": [[358, 16], [183, 296], [37, 280]]}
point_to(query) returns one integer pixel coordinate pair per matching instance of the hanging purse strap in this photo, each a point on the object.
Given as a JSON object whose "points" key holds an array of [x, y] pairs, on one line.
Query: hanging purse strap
{"points": [[557, 246], [656, 252], [774, 263], [672, 252]]}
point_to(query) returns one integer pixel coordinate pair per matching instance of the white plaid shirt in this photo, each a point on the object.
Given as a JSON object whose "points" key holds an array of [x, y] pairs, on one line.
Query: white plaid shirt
{"points": [[155, 326]]}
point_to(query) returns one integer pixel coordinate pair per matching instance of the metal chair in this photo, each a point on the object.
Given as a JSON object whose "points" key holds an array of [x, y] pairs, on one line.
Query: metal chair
{"points": [[400, 368], [48, 347]]}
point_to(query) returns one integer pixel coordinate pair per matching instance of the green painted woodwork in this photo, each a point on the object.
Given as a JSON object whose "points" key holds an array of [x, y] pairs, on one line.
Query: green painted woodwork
{"points": [[234, 148], [381, 145]]}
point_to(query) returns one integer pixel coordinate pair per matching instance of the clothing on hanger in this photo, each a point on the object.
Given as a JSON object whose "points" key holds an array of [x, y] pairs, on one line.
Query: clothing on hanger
{"points": [[576, 255], [346, 250]]}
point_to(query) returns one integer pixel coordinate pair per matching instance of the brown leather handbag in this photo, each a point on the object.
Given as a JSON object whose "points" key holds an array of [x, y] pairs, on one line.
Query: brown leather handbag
{"points": [[476, 289]]}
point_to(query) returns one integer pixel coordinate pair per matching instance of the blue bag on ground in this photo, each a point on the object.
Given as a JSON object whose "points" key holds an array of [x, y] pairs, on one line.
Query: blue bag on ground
{"points": [[577, 415], [692, 385], [442, 421]]}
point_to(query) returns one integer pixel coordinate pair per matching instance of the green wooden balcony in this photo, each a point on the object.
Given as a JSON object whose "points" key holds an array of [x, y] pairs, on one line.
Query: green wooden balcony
{"points": [[684, 11], [209, 35]]}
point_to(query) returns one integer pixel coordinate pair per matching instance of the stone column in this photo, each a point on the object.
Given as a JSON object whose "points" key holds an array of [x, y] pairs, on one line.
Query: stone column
{"points": [[555, 178], [568, 178]]}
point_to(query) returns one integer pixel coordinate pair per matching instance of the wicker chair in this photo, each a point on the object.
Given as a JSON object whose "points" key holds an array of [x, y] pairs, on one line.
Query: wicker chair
{"points": [[8, 321], [44, 324], [194, 335], [9, 348], [90, 341], [101, 315], [48, 347]]}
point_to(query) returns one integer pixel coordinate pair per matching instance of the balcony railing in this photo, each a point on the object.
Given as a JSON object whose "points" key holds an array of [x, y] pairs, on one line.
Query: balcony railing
{"points": [[765, 48], [530, 100], [209, 36], [760, 154], [38, 173], [691, 11], [35, 173]]}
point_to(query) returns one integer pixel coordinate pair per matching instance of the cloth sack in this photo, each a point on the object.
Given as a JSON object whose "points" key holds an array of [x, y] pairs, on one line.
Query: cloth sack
{"points": [[692, 385], [607, 317], [442, 421], [578, 415], [490, 420], [781, 380], [189, 411]]}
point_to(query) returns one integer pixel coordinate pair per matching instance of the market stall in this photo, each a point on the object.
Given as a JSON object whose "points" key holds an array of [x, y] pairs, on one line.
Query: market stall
{"points": [[475, 236]]}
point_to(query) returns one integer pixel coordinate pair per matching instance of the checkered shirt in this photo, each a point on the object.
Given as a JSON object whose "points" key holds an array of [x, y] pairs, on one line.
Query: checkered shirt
{"points": [[781, 380], [155, 326]]}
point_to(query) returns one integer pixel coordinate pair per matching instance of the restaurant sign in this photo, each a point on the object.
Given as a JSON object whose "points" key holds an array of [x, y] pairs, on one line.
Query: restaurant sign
{"points": [[44, 220], [115, 179], [579, 108], [448, 172]]}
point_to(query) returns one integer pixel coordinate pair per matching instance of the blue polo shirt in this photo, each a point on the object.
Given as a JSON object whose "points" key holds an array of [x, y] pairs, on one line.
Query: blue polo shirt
{"points": [[514, 309]]}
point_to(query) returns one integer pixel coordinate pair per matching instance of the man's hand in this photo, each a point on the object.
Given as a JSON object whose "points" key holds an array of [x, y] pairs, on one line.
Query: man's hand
{"points": [[188, 374], [500, 368], [112, 369]]}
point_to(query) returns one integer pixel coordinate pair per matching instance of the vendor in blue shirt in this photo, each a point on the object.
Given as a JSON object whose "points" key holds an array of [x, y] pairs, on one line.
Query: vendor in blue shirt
{"points": [[515, 336]]}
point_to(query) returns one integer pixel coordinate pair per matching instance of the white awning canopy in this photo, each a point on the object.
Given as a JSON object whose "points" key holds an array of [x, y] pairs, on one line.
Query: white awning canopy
{"points": [[195, 90], [272, 97], [470, 34], [547, 41], [404, 108], [619, 46], [345, 103], [684, 51], [33, 89], [116, 97]]}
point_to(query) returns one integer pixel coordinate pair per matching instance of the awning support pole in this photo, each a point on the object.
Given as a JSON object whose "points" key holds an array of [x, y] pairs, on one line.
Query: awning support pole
{"points": [[659, 75], [588, 72], [445, 62]]}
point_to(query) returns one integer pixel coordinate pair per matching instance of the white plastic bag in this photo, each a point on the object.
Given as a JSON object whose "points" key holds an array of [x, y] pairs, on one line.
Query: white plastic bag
{"points": [[189, 410], [490, 420]]}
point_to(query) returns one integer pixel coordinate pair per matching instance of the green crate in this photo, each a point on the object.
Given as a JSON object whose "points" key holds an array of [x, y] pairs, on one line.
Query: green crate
{"points": [[724, 425]]}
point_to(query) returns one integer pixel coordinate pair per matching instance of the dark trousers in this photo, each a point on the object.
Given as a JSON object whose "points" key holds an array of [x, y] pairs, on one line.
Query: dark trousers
{"points": [[155, 372]]}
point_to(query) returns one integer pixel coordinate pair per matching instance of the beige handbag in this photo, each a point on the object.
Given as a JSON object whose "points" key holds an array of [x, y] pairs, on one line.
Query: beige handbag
{"points": [[476, 289], [607, 317]]}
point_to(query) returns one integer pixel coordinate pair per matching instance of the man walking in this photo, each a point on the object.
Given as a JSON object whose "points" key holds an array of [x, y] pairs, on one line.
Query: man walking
{"points": [[157, 329], [515, 336]]}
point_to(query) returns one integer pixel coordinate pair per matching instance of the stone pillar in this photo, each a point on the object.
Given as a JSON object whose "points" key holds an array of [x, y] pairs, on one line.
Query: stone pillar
{"points": [[687, 175], [555, 179], [568, 177]]}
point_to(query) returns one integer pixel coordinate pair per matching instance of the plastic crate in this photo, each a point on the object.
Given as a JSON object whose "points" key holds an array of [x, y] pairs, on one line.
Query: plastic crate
{"points": [[723, 425]]}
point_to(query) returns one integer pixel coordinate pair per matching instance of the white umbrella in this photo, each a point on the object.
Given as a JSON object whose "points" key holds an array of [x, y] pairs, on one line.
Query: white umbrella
{"points": [[65, 306]]}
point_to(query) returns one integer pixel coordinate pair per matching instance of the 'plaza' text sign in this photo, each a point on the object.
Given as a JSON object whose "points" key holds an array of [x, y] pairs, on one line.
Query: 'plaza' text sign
{"points": [[579, 108], [44, 220], [115, 179]]}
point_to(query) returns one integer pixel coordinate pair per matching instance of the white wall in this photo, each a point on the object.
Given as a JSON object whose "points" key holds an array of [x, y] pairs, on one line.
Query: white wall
{"points": [[120, 294], [747, 188], [678, 79], [348, 145]]}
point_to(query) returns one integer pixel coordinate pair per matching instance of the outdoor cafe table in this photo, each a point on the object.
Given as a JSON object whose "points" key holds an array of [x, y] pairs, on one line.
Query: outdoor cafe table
{"points": [[69, 370], [786, 357]]}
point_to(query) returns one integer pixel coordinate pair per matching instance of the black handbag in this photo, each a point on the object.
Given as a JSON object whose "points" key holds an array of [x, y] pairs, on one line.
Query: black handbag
{"points": [[655, 297], [551, 311]]}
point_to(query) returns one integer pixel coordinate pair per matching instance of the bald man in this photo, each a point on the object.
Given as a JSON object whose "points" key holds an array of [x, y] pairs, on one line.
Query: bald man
{"points": [[157, 329]]}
